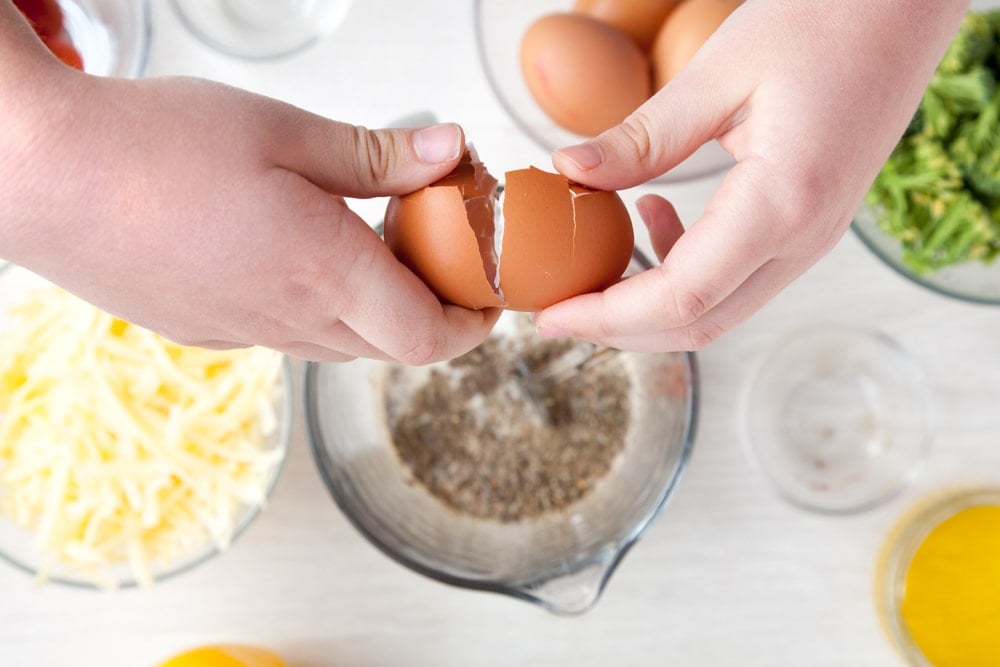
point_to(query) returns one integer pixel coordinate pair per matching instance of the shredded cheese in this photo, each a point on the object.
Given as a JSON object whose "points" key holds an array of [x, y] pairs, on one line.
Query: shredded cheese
{"points": [[121, 449]]}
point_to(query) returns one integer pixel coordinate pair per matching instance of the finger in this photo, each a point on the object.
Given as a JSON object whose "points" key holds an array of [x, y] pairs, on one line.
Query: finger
{"points": [[662, 222], [337, 343], [385, 304], [696, 106], [735, 237], [761, 287], [218, 345], [353, 161]]}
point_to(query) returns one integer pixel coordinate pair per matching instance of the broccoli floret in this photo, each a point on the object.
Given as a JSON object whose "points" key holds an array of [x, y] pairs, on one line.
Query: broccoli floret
{"points": [[950, 96], [923, 201], [972, 45], [952, 228], [984, 175], [976, 149], [964, 81], [966, 92], [911, 185], [994, 18]]}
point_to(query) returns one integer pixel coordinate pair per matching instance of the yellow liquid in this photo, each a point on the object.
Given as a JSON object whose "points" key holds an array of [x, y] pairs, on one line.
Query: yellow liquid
{"points": [[225, 655], [951, 602]]}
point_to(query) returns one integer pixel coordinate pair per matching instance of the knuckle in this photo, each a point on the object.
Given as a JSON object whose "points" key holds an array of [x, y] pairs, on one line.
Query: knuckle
{"points": [[377, 148], [699, 336], [801, 205], [605, 324], [423, 350], [637, 132], [689, 306]]}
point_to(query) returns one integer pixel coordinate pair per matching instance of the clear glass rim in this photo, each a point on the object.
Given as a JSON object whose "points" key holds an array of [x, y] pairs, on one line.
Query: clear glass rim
{"points": [[750, 444], [866, 233], [141, 60], [138, 61], [216, 45]]}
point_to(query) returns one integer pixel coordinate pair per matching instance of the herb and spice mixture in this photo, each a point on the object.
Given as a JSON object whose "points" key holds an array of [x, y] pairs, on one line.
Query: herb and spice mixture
{"points": [[481, 441]]}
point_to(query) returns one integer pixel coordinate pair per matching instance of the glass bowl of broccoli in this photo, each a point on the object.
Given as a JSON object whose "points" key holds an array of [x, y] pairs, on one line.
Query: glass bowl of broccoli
{"points": [[933, 211]]}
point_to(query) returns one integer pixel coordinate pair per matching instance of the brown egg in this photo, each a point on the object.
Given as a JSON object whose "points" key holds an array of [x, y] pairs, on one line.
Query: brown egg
{"points": [[685, 29], [639, 19], [544, 240], [585, 75]]}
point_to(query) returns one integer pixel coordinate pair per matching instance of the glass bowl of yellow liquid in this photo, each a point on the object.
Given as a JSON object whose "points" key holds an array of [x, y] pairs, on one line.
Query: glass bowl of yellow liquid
{"points": [[938, 582]]}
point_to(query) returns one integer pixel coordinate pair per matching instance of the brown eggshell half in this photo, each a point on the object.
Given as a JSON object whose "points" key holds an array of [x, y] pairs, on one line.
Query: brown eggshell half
{"points": [[441, 232], [560, 240]]}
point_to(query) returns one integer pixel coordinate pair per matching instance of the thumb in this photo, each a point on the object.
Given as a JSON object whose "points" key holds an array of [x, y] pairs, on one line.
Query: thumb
{"points": [[353, 161], [686, 113]]}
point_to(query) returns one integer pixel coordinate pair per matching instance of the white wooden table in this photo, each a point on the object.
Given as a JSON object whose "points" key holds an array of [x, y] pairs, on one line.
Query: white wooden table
{"points": [[729, 573]]}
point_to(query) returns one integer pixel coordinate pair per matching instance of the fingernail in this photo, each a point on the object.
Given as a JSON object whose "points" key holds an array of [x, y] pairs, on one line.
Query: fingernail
{"points": [[548, 331], [438, 143], [585, 156]]}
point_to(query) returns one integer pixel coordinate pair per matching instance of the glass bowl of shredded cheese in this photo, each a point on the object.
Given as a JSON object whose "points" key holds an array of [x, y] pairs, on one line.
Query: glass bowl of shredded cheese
{"points": [[126, 458]]}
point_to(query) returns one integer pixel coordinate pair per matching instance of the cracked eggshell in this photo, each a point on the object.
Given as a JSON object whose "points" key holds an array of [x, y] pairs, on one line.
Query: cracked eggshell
{"points": [[560, 239], [431, 231], [557, 240]]}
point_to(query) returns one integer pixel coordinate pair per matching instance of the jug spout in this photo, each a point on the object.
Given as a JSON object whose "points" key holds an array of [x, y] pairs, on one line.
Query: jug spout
{"points": [[575, 591]]}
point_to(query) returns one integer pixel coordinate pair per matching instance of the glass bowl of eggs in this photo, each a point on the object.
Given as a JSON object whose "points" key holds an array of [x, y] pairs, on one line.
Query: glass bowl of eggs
{"points": [[125, 458], [565, 70]]}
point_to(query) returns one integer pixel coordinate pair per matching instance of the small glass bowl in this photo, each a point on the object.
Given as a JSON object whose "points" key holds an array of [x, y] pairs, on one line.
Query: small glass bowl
{"points": [[838, 418], [112, 36], [560, 560], [897, 554], [17, 544], [975, 282], [500, 24], [260, 29]]}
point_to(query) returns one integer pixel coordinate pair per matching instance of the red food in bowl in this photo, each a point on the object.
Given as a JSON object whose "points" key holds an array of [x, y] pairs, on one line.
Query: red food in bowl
{"points": [[44, 15], [63, 49]]}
